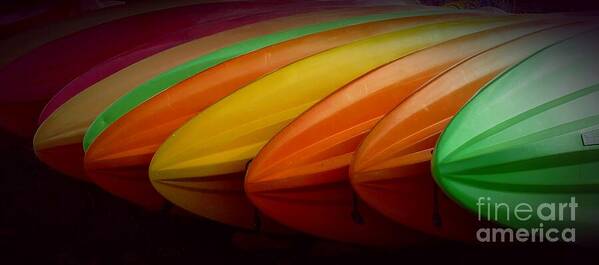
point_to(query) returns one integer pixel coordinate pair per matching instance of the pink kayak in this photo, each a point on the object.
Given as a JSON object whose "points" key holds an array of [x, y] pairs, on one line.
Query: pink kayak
{"points": [[30, 81]]}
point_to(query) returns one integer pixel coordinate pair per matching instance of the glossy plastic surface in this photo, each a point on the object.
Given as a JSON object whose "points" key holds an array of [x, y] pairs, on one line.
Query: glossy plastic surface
{"points": [[231, 132], [149, 89], [58, 139], [392, 166], [127, 146], [530, 137], [316, 149]]}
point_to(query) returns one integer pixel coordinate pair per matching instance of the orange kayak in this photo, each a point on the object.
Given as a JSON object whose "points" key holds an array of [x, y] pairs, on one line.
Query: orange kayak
{"points": [[310, 153], [391, 169], [126, 147]]}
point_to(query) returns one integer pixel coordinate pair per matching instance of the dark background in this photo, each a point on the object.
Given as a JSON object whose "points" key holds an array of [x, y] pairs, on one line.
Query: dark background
{"points": [[48, 218]]}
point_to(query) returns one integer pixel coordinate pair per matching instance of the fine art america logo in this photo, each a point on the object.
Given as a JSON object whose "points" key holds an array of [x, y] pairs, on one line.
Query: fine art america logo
{"points": [[544, 222]]}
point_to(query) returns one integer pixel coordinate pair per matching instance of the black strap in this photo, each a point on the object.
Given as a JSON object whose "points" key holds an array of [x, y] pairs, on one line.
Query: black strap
{"points": [[166, 207], [257, 217], [437, 222], [355, 214], [257, 220]]}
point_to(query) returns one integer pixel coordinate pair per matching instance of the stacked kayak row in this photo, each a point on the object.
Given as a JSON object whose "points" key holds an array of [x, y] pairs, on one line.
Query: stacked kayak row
{"points": [[364, 122]]}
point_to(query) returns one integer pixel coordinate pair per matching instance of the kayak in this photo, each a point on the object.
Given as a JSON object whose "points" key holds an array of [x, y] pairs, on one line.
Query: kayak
{"points": [[26, 41], [58, 139], [394, 159], [534, 143], [128, 144], [311, 154], [232, 131], [60, 61]]}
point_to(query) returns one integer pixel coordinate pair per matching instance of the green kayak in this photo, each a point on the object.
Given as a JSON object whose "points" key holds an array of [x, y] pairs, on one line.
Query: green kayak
{"points": [[524, 152], [167, 79]]}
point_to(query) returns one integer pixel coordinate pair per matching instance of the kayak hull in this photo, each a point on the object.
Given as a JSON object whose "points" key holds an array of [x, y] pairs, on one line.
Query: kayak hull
{"points": [[333, 206], [67, 159], [94, 163], [174, 159], [399, 149], [156, 119], [68, 124], [310, 150], [534, 147]]}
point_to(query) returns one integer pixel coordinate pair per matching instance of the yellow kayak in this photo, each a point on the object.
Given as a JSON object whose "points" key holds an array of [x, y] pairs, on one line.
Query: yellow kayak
{"points": [[65, 128], [208, 155]]}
